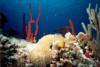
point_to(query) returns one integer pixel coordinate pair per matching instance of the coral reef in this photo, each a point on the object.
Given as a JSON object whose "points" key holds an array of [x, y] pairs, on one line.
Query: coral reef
{"points": [[55, 50]]}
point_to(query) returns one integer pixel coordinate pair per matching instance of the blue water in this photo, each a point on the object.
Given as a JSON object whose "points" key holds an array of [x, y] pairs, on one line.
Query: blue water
{"points": [[54, 13]]}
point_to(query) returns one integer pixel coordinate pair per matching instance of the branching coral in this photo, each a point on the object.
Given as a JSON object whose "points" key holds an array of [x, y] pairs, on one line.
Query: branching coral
{"points": [[94, 18]]}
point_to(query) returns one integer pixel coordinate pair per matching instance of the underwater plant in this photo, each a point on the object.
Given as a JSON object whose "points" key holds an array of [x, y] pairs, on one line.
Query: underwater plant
{"points": [[94, 18], [66, 29], [32, 36], [72, 27], [29, 26]]}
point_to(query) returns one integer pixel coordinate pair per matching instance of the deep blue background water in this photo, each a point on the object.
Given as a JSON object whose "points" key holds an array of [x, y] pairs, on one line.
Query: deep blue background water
{"points": [[54, 13]]}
